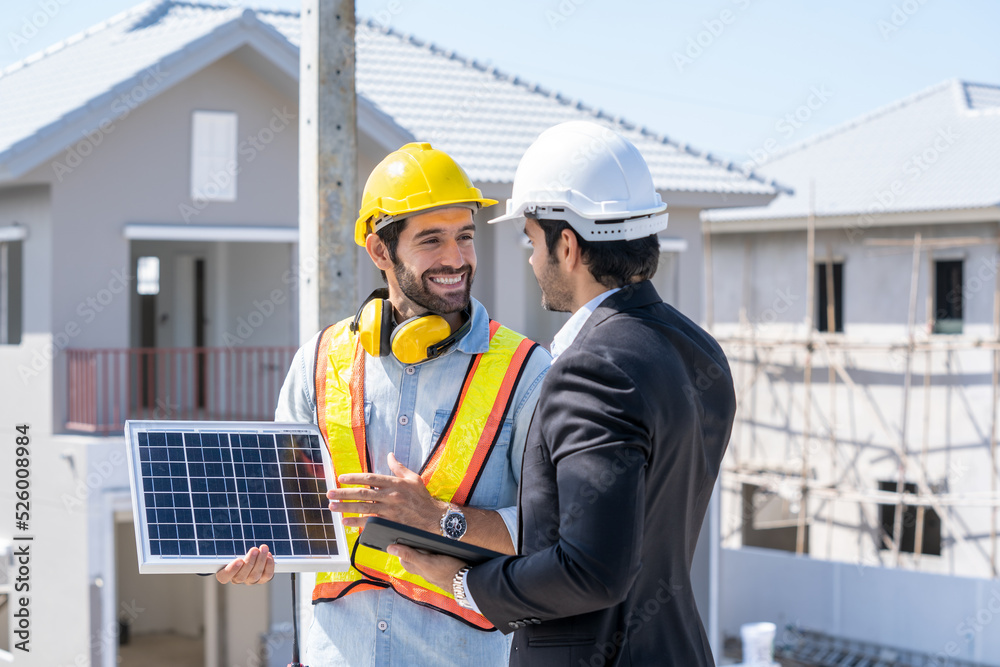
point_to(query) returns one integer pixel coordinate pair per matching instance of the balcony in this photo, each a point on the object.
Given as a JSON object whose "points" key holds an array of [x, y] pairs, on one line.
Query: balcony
{"points": [[107, 386]]}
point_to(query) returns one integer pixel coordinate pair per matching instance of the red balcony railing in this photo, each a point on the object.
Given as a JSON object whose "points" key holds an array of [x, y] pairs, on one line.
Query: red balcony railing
{"points": [[106, 387]]}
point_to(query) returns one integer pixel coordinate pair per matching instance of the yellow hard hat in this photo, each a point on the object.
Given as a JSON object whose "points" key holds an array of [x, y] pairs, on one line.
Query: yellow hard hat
{"points": [[412, 179]]}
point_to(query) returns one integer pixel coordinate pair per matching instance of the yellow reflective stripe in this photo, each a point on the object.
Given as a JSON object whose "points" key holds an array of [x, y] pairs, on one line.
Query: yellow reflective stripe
{"points": [[340, 357], [475, 409]]}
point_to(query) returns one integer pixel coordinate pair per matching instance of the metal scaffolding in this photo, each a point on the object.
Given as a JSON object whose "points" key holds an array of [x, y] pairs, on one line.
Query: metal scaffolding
{"points": [[751, 355]]}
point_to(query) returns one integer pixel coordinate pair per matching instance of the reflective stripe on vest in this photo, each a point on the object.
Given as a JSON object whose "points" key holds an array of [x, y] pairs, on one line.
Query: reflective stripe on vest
{"points": [[451, 471]]}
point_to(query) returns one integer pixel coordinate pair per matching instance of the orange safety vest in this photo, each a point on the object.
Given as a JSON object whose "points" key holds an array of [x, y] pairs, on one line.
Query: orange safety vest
{"points": [[451, 471]]}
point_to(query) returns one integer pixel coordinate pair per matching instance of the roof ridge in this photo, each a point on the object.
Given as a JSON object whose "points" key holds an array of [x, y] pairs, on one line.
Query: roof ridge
{"points": [[141, 8], [598, 114], [978, 84], [862, 119], [233, 4]]}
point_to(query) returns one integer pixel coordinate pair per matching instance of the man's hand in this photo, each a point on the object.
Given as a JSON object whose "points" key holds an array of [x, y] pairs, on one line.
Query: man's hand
{"points": [[439, 570], [401, 497], [257, 567]]}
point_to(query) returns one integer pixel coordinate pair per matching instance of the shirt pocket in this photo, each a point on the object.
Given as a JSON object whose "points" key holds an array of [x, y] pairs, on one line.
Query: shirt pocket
{"points": [[496, 487], [440, 421]]}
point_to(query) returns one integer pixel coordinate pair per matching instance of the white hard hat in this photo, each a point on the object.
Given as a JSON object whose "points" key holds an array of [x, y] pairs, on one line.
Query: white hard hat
{"points": [[591, 177]]}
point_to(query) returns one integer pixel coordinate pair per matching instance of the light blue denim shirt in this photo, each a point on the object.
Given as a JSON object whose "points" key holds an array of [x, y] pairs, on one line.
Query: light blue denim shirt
{"points": [[406, 407]]}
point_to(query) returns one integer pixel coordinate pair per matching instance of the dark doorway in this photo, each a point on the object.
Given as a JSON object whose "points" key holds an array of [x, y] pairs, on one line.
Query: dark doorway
{"points": [[823, 292], [948, 297]]}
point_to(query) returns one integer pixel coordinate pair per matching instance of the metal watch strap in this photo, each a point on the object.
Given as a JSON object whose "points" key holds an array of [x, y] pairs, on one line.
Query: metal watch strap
{"points": [[459, 590]]}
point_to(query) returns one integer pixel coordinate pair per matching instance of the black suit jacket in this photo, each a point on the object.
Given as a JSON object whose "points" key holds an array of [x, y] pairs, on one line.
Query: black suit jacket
{"points": [[623, 451]]}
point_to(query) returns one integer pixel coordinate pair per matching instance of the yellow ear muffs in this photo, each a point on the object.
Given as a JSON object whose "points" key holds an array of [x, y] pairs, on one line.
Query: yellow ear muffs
{"points": [[412, 340], [416, 339]]}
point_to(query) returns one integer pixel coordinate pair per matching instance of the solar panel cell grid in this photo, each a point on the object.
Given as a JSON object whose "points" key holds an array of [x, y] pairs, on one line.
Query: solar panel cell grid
{"points": [[218, 494]]}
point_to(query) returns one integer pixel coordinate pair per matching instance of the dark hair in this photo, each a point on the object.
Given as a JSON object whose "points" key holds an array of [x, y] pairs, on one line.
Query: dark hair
{"points": [[612, 263], [389, 235]]}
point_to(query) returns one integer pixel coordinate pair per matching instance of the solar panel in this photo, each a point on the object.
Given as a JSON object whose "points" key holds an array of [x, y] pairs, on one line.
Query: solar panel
{"points": [[204, 493]]}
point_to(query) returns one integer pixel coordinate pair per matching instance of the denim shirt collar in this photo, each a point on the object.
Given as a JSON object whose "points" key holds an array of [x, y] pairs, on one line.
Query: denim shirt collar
{"points": [[477, 340]]}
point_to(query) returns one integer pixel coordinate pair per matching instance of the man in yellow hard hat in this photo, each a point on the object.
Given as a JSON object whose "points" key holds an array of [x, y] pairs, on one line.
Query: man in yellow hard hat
{"points": [[425, 404]]}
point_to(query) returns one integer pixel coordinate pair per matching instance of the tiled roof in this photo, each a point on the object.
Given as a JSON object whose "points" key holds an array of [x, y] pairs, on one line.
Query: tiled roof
{"points": [[484, 118], [936, 150]]}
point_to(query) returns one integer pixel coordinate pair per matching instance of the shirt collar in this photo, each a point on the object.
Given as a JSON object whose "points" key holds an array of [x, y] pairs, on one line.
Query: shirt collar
{"points": [[565, 336], [477, 339]]}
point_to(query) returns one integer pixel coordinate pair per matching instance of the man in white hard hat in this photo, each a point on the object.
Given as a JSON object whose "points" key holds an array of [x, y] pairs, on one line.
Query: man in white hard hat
{"points": [[628, 434], [424, 403]]}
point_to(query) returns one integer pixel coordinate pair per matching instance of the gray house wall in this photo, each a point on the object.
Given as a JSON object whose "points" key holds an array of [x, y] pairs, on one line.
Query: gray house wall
{"points": [[876, 277], [766, 273]]}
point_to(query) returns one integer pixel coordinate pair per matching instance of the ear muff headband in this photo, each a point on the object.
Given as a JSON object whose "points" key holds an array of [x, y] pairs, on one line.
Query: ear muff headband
{"points": [[373, 323]]}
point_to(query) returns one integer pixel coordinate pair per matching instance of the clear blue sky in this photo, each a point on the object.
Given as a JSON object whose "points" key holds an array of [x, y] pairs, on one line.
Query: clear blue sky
{"points": [[721, 75]]}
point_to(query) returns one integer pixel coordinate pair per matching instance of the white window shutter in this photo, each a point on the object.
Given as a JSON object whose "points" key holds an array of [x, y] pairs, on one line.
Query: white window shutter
{"points": [[213, 156]]}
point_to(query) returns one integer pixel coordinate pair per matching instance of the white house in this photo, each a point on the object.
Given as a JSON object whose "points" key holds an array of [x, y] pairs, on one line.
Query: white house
{"points": [[869, 372], [148, 267]]}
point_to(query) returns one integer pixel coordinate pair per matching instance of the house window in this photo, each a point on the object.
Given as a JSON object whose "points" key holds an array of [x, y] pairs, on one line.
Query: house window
{"points": [[948, 299], [931, 541], [10, 292], [770, 521], [822, 303], [213, 156], [148, 275]]}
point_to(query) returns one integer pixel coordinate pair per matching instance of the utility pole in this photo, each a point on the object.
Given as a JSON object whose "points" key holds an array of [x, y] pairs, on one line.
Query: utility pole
{"points": [[328, 158], [328, 180]]}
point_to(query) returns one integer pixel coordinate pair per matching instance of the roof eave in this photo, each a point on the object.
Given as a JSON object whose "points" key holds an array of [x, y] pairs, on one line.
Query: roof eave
{"points": [[715, 199], [103, 111], [855, 224]]}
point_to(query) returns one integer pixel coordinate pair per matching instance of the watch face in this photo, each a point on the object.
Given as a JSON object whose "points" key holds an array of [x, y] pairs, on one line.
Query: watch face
{"points": [[454, 525]]}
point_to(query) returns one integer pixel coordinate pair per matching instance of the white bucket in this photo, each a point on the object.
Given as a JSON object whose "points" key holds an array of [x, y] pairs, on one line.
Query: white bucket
{"points": [[758, 644]]}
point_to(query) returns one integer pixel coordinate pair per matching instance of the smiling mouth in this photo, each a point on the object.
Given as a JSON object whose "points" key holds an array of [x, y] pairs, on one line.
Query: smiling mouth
{"points": [[448, 281]]}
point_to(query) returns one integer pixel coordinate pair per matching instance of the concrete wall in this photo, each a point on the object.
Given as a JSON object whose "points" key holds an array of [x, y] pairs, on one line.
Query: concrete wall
{"points": [[946, 617], [951, 418], [28, 367], [59, 586], [766, 273]]}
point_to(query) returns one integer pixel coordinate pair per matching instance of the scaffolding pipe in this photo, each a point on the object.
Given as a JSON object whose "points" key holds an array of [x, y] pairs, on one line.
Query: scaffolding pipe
{"points": [[800, 533], [993, 422], [918, 539], [903, 453]]}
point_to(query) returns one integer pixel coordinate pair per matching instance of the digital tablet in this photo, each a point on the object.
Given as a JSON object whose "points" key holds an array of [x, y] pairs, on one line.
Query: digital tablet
{"points": [[379, 533]]}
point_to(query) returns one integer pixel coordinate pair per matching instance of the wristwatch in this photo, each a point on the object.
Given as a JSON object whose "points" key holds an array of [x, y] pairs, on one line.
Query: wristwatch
{"points": [[453, 523], [459, 590]]}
